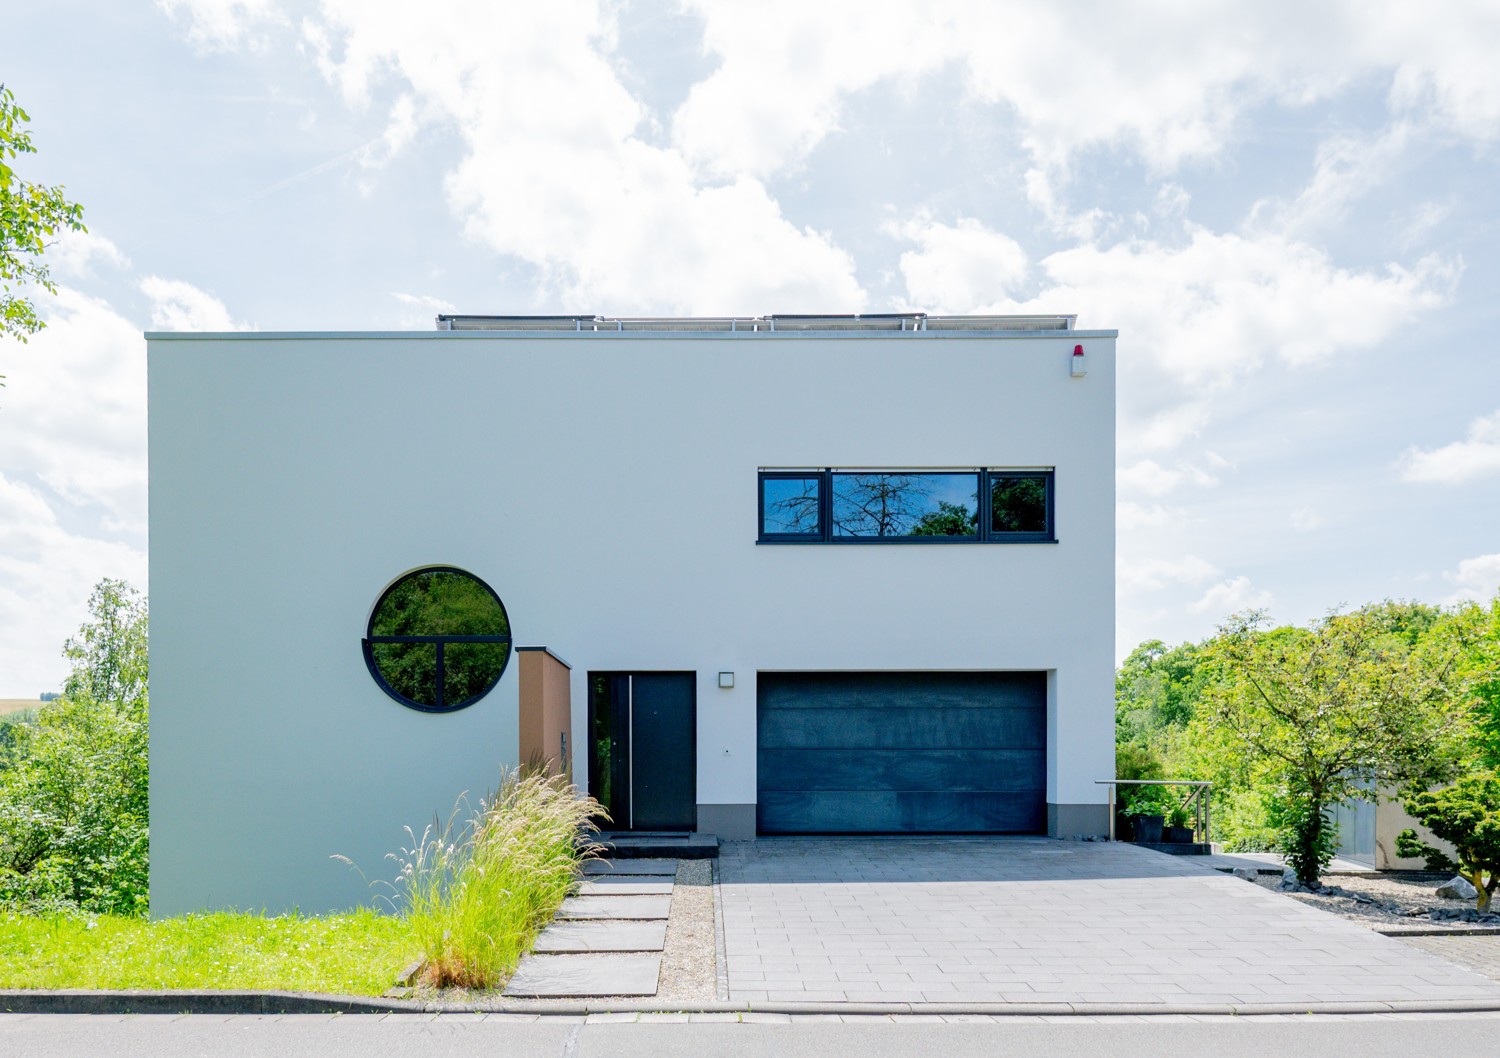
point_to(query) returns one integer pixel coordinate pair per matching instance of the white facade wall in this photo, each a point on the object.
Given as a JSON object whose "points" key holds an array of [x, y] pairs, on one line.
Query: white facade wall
{"points": [[605, 487]]}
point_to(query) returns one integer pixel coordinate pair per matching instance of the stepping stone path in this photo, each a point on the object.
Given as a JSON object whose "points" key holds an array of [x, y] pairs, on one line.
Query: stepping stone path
{"points": [[607, 940]]}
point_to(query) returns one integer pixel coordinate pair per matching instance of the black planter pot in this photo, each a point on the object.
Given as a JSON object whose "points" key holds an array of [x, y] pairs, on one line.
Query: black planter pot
{"points": [[1124, 830], [1148, 829], [1177, 835]]}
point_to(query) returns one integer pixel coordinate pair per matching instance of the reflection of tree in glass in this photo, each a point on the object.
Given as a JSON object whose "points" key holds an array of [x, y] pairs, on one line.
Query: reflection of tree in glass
{"points": [[897, 505], [439, 603], [791, 505], [950, 519], [1018, 505]]}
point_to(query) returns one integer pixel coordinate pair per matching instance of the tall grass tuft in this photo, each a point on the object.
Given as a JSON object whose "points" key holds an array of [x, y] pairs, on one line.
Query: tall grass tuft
{"points": [[477, 897]]}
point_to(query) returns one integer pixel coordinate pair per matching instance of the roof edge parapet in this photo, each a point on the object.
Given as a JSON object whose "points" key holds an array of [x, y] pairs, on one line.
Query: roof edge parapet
{"points": [[914, 322]]}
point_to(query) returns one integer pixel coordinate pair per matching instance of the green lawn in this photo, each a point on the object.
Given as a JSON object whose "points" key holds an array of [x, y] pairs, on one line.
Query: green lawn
{"points": [[358, 953]]}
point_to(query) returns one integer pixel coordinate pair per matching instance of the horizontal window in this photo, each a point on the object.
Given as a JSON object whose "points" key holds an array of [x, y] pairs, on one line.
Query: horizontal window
{"points": [[906, 506], [884, 506]]}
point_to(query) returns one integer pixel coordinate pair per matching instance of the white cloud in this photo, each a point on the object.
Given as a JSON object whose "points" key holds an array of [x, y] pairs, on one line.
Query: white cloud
{"points": [[46, 573], [1305, 519], [75, 253], [217, 25], [1346, 167], [1194, 318], [73, 487], [1231, 596], [958, 267], [1169, 81], [1130, 516], [1153, 574], [1421, 220], [74, 410], [419, 310], [1153, 479], [555, 172], [179, 306], [1478, 579], [1475, 457]]}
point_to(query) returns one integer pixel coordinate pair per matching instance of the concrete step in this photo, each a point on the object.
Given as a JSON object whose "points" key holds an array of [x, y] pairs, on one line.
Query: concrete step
{"points": [[627, 846]]}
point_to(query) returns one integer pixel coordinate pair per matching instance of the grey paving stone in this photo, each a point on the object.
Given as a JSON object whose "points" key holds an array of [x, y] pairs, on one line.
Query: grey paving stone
{"points": [[625, 885], [580, 976], [621, 907], [601, 936], [994, 920], [597, 867]]}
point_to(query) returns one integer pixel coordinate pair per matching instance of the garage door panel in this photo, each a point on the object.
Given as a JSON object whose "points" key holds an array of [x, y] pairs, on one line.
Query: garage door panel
{"points": [[852, 752], [901, 727], [866, 690], [959, 770], [893, 812]]}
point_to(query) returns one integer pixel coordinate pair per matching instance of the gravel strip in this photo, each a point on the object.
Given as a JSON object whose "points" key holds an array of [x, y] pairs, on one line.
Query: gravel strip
{"points": [[1382, 902], [688, 966]]}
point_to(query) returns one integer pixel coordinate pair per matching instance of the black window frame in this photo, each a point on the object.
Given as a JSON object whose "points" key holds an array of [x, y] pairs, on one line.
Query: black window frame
{"points": [[823, 506], [439, 705], [984, 500], [987, 515]]}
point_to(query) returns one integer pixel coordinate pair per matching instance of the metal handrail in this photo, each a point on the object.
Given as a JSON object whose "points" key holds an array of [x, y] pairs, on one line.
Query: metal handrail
{"points": [[1198, 800]]}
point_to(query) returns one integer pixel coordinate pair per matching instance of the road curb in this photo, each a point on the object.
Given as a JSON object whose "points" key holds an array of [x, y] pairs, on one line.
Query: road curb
{"points": [[88, 1001]]}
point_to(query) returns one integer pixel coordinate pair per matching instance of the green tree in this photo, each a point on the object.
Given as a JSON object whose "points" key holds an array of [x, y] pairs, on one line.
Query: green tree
{"points": [[109, 652], [1467, 816], [1326, 709], [73, 803], [950, 519], [1157, 687], [30, 215], [1473, 630]]}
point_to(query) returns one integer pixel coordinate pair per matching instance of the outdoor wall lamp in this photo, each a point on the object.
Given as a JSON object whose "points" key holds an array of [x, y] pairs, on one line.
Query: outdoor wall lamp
{"points": [[1080, 362], [726, 680]]}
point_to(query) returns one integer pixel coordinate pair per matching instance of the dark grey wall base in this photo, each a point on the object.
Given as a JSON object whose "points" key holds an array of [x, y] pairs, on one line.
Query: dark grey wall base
{"points": [[1077, 821], [1178, 848], [729, 822]]}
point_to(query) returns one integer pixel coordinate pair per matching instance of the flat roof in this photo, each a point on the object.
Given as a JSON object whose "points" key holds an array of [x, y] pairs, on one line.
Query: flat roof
{"points": [[454, 325]]}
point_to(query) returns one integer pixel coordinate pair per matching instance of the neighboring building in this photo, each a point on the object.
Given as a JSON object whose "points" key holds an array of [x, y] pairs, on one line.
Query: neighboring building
{"points": [[1368, 830], [812, 575]]}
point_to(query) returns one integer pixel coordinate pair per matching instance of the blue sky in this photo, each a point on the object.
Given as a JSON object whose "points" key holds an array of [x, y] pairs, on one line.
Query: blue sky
{"points": [[1288, 210]]}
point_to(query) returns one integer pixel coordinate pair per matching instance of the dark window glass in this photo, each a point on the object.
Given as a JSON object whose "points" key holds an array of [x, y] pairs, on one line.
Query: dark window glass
{"points": [[791, 506], [1019, 504], [886, 505], [438, 621]]}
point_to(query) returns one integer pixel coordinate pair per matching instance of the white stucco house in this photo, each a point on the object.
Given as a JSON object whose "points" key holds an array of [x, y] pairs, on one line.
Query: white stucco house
{"points": [[785, 575]]}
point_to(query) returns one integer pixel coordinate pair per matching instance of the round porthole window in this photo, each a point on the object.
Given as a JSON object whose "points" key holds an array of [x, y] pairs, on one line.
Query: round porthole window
{"points": [[438, 639]]}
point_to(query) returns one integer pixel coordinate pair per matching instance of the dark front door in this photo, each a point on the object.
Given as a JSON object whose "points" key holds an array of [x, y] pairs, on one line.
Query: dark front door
{"points": [[642, 753]]}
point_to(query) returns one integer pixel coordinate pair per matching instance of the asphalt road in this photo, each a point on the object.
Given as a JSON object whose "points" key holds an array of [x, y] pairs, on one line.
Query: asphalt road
{"points": [[368, 1036]]}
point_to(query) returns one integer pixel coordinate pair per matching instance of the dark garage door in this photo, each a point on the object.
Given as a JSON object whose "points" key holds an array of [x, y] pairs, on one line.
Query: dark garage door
{"points": [[894, 752]]}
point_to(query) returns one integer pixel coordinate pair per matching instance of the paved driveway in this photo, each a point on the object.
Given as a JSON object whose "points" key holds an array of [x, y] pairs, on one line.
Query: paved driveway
{"points": [[953, 920]]}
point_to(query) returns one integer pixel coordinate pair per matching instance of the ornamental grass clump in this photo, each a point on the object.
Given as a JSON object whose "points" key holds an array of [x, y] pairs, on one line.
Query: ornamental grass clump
{"points": [[476, 899]]}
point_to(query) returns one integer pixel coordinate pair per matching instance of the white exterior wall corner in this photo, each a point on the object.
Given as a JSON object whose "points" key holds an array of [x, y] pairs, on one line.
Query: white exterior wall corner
{"points": [[605, 486]]}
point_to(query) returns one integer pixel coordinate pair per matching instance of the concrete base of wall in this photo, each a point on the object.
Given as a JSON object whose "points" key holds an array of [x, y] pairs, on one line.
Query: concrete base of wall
{"points": [[729, 822], [1077, 821]]}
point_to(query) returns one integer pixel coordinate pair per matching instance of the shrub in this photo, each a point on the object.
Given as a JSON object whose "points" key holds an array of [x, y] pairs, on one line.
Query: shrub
{"points": [[73, 811], [476, 899], [1467, 816], [73, 819], [1306, 837]]}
